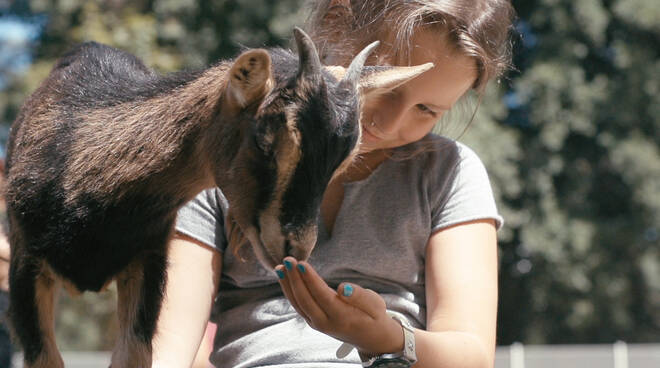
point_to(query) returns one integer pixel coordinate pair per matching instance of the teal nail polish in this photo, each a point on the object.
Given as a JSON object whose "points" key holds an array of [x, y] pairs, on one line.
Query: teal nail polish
{"points": [[280, 274], [301, 268], [348, 290], [288, 265]]}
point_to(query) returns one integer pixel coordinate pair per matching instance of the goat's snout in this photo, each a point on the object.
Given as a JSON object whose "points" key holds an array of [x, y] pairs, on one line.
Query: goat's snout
{"points": [[299, 244], [276, 241]]}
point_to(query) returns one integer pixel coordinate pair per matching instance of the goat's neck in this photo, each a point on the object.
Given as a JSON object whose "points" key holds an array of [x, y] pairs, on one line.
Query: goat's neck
{"points": [[207, 137]]}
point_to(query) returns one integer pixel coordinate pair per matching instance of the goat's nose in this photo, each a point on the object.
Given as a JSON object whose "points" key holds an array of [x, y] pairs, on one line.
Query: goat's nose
{"points": [[289, 229], [299, 240], [291, 245]]}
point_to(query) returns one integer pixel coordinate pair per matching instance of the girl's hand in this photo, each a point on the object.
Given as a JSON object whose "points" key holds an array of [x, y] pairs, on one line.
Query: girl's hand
{"points": [[351, 314]]}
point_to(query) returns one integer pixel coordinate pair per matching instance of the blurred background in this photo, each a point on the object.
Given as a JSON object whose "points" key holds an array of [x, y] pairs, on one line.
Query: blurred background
{"points": [[571, 140]]}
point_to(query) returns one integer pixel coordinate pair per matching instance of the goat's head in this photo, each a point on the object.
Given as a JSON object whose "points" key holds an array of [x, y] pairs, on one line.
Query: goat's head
{"points": [[298, 126]]}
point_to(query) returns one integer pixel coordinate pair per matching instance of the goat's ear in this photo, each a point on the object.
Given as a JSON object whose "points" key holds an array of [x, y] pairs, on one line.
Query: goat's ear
{"points": [[376, 80], [381, 79], [250, 79]]}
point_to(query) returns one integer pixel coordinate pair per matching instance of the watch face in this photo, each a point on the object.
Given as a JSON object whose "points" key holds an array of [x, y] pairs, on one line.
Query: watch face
{"points": [[391, 363]]}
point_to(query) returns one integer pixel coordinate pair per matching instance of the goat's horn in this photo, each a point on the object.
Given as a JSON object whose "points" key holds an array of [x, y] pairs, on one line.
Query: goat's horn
{"points": [[352, 75], [310, 64]]}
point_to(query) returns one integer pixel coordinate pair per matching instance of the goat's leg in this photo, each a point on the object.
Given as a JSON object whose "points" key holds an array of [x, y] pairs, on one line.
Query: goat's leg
{"points": [[32, 304], [140, 293]]}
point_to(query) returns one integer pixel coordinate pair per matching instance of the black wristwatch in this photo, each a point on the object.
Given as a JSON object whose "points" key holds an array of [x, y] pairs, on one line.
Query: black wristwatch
{"points": [[402, 359]]}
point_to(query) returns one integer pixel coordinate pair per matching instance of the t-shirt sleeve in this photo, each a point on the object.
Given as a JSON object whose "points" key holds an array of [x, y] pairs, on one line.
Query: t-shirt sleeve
{"points": [[203, 219], [469, 196]]}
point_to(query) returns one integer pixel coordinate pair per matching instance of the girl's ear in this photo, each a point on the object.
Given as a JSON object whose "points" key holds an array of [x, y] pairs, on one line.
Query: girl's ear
{"points": [[335, 22], [250, 79], [338, 9]]}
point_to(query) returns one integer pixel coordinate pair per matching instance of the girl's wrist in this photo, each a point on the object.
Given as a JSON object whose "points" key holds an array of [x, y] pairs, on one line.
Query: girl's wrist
{"points": [[392, 342]]}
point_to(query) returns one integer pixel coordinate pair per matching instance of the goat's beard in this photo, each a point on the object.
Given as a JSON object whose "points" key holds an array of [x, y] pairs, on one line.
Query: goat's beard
{"points": [[235, 236]]}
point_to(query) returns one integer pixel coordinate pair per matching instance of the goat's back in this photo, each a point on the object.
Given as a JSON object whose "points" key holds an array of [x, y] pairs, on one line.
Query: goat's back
{"points": [[86, 237]]}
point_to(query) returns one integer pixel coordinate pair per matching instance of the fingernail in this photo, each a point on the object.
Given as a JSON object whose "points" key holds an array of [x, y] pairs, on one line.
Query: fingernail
{"points": [[288, 265], [280, 274], [348, 290], [301, 268]]}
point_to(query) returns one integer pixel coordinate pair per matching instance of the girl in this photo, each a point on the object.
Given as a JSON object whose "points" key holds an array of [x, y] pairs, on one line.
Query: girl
{"points": [[405, 266]]}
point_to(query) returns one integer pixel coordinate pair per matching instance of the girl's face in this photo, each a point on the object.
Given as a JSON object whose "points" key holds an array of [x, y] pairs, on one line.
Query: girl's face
{"points": [[409, 112]]}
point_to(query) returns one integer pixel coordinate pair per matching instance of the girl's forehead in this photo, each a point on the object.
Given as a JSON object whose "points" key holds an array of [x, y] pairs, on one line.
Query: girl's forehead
{"points": [[453, 74], [428, 44]]}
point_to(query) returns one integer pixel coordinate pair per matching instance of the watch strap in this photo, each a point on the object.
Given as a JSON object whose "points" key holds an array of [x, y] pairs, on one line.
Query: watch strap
{"points": [[407, 355], [409, 352]]}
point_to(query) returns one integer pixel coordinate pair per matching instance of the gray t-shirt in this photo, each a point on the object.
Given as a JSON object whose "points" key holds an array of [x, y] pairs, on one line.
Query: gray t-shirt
{"points": [[378, 242]]}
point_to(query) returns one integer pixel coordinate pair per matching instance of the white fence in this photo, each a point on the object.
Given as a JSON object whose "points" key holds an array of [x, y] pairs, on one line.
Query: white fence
{"points": [[75, 359], [619, 355]]}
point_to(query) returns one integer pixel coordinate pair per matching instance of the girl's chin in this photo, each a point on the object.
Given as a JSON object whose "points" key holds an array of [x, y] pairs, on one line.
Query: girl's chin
{"points": [[370, 141], [367, 136], [368, 146]]}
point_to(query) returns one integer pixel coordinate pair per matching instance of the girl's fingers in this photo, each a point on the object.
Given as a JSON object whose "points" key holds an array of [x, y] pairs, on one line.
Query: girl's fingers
{"points": [[322, 307], [299, 290], [288, 293], [324, 296], [366, 300]]}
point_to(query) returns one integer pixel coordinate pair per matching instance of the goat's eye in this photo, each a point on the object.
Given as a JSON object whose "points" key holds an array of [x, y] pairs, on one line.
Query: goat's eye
{"points": [[263, 144]]}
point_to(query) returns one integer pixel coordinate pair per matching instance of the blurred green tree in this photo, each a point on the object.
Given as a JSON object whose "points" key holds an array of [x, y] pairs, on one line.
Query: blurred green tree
{"points": [[583, 260]]}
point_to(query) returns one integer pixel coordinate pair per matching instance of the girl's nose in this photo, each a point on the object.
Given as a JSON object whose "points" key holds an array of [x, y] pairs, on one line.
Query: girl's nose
{"points": [[388, 119]]}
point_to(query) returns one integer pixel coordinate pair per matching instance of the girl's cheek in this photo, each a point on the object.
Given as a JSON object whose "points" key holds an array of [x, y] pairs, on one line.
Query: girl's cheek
{"points": [[418, 131], [375, 105]]}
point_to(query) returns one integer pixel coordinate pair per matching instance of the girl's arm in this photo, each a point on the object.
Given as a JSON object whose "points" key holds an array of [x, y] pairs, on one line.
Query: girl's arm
{"points": [[461, 293], [4, 261], [193, 276], [461, 297]]}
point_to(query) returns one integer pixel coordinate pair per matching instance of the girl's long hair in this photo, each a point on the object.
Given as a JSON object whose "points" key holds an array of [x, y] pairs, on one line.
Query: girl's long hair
{"points": [[478, 28]]}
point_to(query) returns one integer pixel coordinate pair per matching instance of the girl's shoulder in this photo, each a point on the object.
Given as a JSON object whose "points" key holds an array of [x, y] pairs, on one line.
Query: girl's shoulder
{"points": [[436, 155]]}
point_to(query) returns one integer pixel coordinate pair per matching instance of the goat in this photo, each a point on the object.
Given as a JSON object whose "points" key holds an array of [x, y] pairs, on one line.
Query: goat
{"points": [[105, 151]]}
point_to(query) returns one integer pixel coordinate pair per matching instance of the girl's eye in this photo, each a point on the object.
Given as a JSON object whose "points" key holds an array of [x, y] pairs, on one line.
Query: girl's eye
{"points": [[426, 110]]}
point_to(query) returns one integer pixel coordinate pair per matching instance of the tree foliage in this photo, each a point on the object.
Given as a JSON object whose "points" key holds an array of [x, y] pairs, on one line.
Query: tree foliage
{"points": [[583, 264], [571, 140]]}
